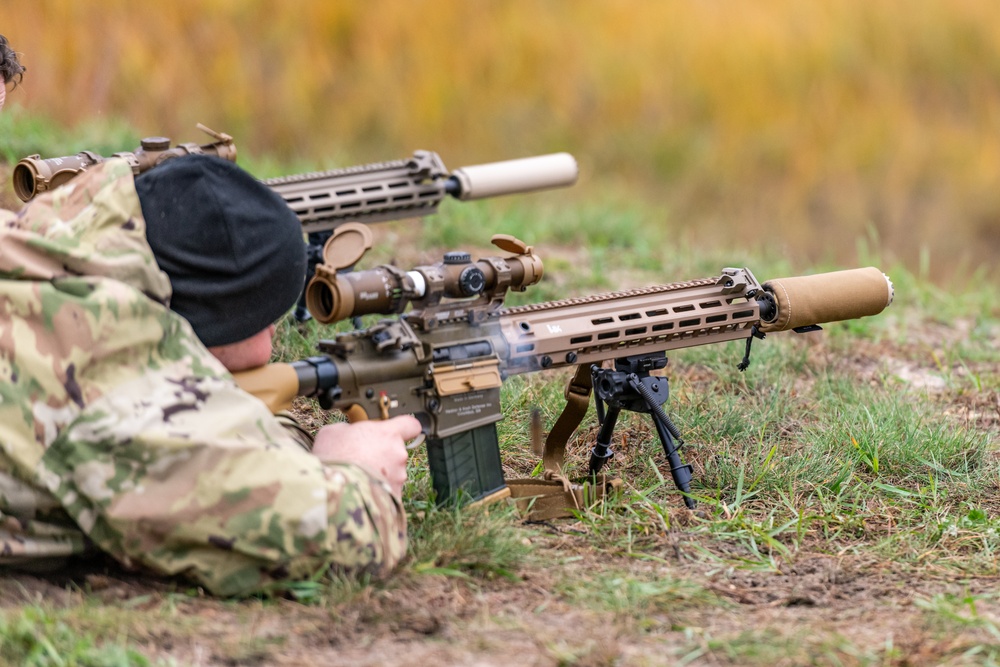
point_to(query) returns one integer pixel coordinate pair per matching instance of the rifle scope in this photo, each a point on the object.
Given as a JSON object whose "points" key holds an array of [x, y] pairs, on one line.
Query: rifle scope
{"points": [[33, 175], [386, 290]]}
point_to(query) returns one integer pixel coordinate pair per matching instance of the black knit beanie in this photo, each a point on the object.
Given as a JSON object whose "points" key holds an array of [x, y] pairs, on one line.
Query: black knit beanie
{"points": [[231, 247]]}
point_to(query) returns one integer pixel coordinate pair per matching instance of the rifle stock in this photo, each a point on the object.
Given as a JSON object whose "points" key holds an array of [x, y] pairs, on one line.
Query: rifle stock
{"points": [[445, 360]]}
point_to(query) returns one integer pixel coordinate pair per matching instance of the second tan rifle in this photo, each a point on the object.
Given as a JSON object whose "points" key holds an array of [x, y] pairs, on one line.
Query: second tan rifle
{"points": [[323, 200], [452, 342]]}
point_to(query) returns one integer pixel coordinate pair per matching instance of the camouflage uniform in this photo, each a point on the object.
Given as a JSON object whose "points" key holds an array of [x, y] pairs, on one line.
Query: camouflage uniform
{"points": [[119, 430]]}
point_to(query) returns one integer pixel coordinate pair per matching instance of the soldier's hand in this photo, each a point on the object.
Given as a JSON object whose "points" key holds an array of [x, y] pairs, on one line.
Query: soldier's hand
{"points": [[377, 446]]}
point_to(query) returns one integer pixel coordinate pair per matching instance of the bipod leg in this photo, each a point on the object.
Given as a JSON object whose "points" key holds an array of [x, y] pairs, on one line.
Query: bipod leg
{"points": [[670, 438], [601, 451], [680, 471]]}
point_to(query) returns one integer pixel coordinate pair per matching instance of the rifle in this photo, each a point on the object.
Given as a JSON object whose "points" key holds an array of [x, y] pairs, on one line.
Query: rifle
{"points": [[322, 200], [445, 359]]}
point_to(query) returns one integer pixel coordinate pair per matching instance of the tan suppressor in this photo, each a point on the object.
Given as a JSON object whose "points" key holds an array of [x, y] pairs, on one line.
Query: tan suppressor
{"points": [[512, 176], [827, 297]]}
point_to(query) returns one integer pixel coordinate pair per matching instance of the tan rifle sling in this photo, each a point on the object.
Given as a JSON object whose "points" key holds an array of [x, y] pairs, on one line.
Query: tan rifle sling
{"points": [[554, 496]]}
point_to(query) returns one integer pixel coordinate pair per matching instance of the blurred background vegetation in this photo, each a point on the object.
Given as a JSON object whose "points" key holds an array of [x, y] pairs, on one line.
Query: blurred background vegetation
{"points": [[809, 129]]}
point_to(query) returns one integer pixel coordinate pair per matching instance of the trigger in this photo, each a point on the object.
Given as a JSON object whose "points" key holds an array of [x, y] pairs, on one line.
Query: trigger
{"points": [[417, 441]]}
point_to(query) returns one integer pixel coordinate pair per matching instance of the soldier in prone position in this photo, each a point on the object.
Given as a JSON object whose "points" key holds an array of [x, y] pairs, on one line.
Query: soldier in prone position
{"points": [[124, 306]]}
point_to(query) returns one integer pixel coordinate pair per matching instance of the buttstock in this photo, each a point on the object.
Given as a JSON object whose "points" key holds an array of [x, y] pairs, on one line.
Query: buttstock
{"points": [[275, 384]]}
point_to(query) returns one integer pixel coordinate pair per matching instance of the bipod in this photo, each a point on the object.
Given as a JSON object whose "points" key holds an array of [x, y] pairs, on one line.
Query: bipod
{"points": [[629, 386]]}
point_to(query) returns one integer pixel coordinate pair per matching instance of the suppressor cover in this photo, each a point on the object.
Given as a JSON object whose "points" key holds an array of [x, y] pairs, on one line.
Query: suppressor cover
{"points": [[827, 297]]}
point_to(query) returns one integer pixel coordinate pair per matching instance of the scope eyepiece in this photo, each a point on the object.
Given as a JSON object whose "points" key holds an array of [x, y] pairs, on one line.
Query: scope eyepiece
{"points": [[333, 296], [33, 175], [24, 182]]}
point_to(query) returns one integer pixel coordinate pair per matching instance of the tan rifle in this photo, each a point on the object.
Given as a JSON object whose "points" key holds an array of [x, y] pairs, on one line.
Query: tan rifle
{"points": [[444, 359], [322, 200]]}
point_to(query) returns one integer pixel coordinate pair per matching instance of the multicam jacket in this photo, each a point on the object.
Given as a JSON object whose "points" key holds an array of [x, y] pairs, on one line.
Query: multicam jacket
{"points": [[119, 430]]}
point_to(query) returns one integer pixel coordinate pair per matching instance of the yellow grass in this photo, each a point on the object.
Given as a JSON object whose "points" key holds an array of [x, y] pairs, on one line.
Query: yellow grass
{"points": [[808, 123]]}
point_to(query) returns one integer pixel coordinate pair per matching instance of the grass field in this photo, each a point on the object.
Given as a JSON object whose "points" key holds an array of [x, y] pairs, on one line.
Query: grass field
{"points": [[809, 125], [847, 488]]}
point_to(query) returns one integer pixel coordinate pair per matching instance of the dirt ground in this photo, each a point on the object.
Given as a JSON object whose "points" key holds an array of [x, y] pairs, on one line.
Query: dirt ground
{"points": [[822, 608], [823, 603]]}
